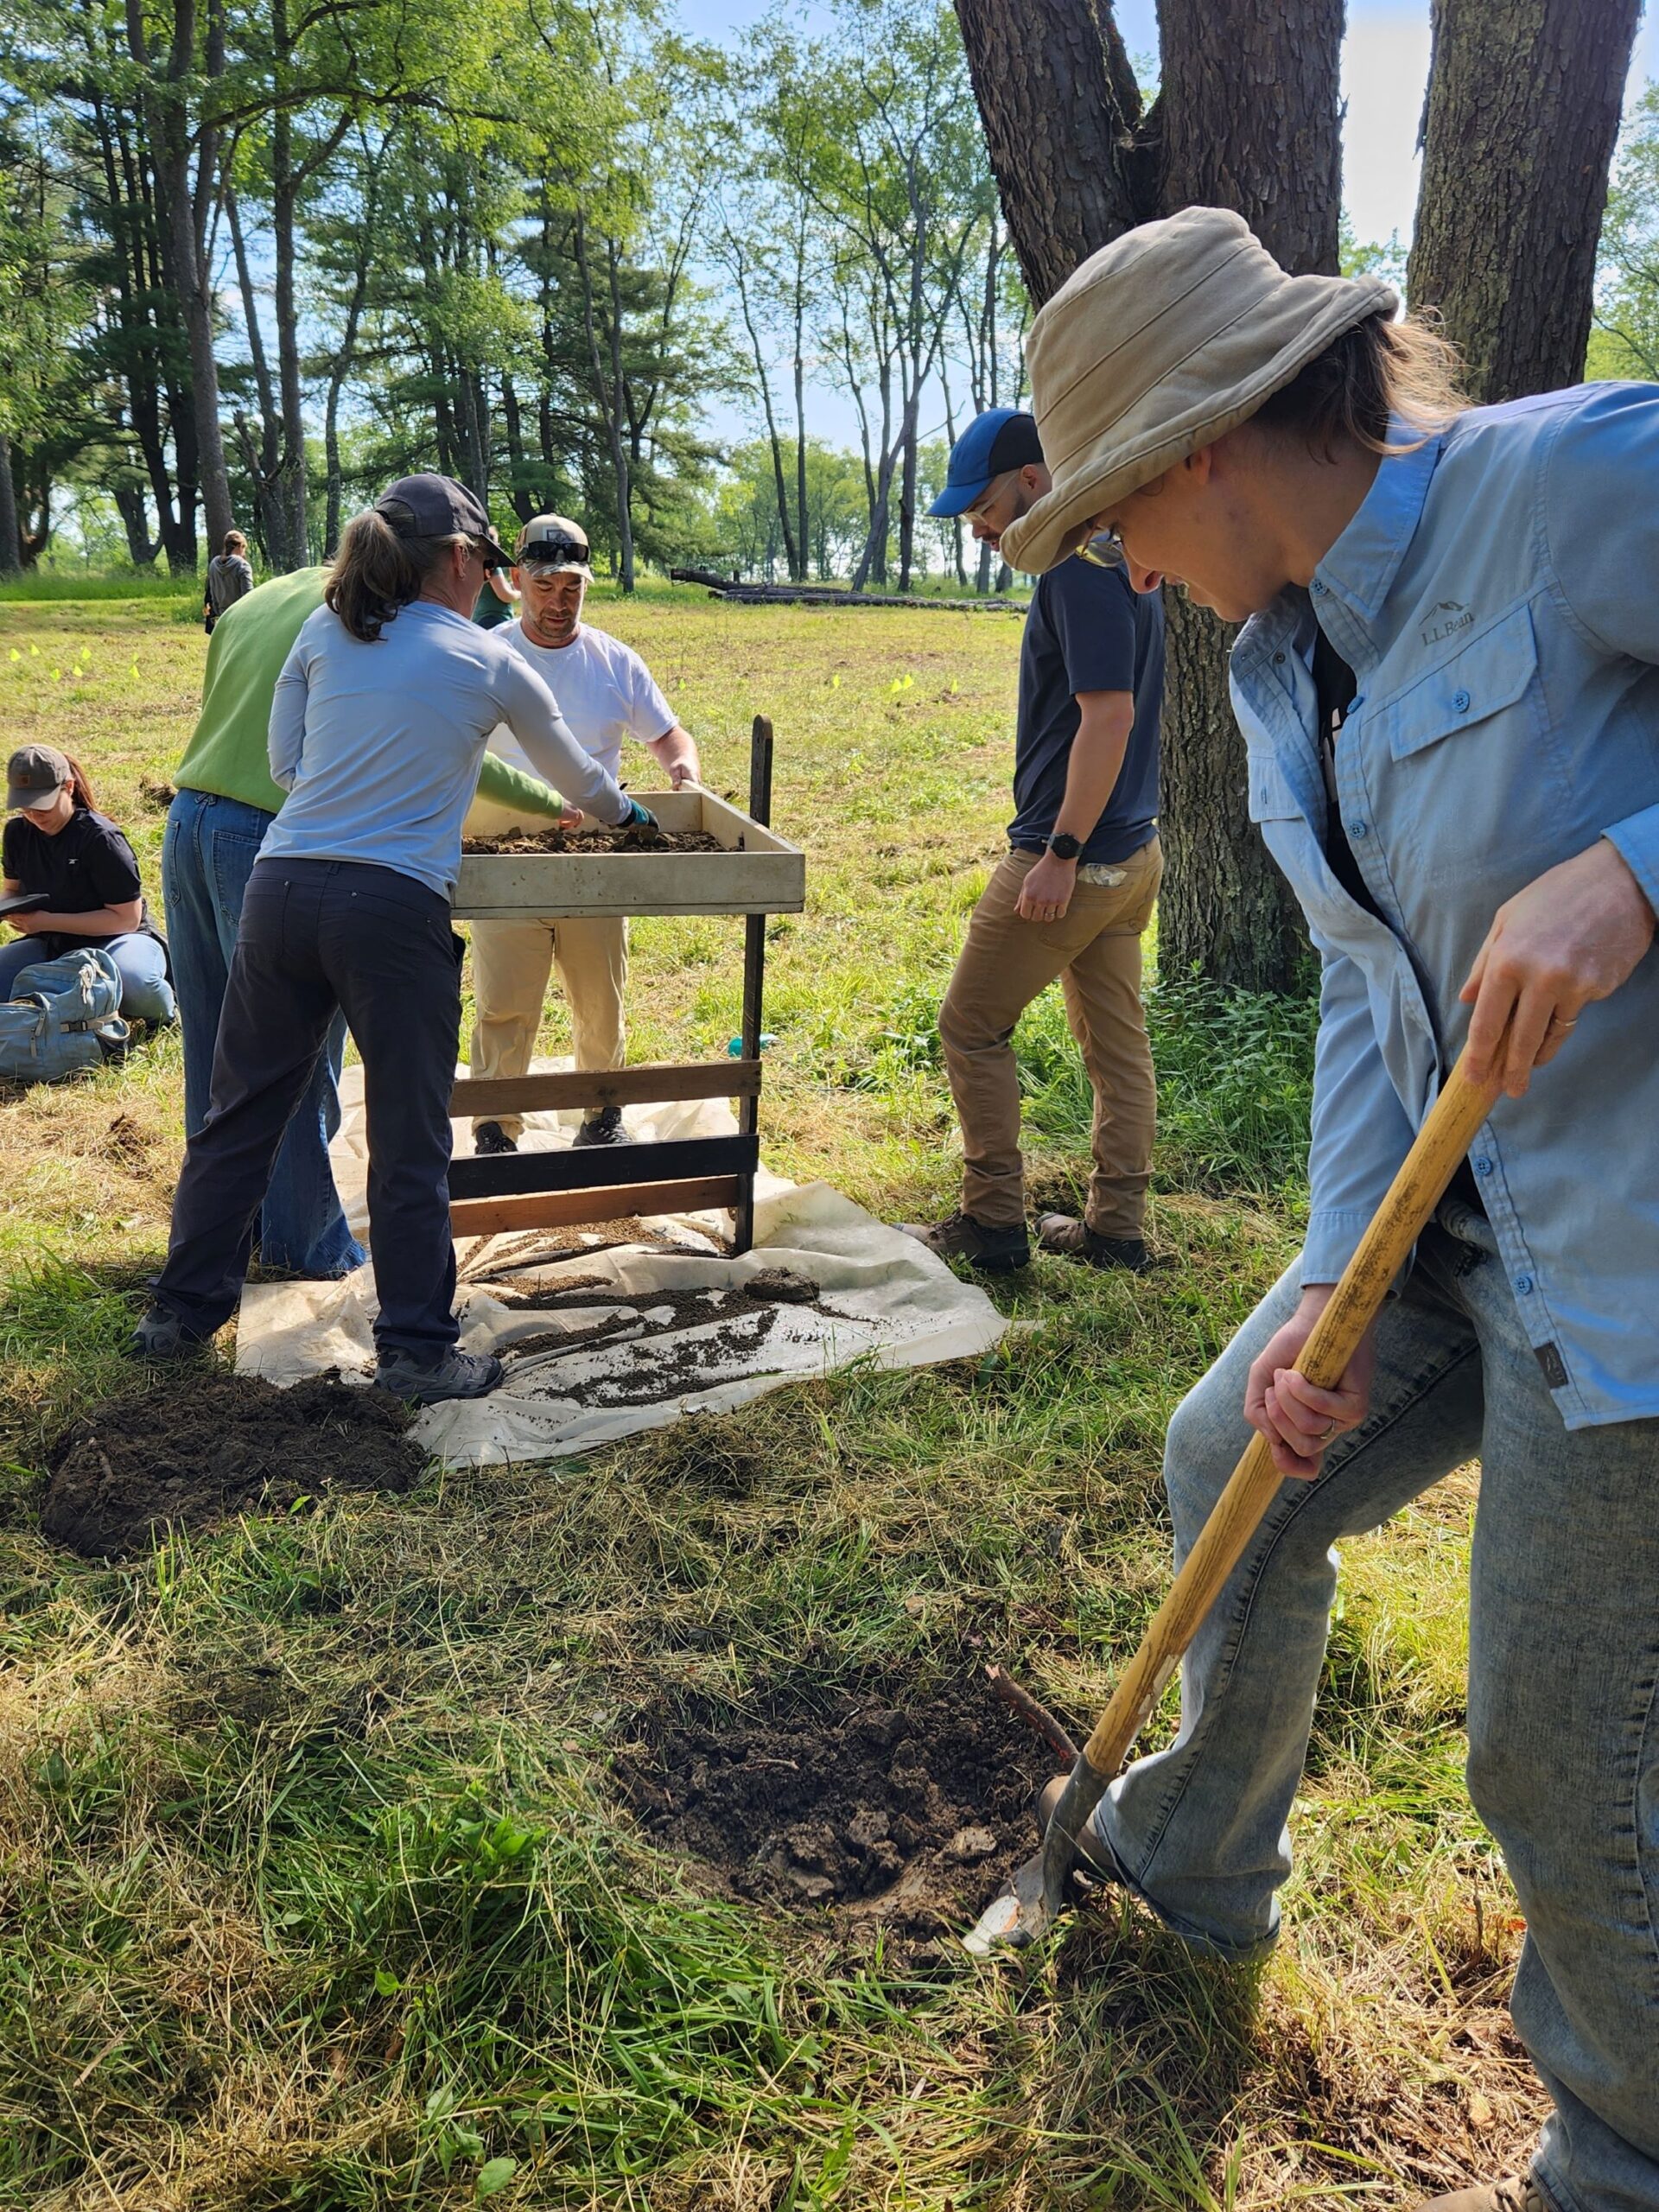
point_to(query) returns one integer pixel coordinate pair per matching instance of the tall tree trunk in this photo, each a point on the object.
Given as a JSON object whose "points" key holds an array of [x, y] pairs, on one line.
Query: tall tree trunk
{"points": [[11, 544], [262, 459], [1252, 114], [1248, 118], [1059, 101], [185, 168], [796, 560], [142, 548], [1523, 95]]}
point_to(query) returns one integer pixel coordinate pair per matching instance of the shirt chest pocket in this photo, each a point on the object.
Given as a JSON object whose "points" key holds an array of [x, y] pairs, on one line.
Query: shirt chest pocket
{"points": [[1495, 671]]}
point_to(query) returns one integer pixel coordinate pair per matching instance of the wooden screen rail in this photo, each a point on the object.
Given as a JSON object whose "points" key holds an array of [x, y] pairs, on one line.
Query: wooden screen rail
{"points": [[576, 1167], [566, 1209], [483, 1097]]}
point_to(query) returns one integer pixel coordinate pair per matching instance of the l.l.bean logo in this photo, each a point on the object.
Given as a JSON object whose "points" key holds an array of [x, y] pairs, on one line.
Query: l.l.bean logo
{"points": [[1446, 618]]}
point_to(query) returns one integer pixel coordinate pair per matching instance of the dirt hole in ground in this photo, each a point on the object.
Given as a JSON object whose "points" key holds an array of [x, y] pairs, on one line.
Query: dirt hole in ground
{"points": [[639, 839], [911, 1814], [196, 1452]]}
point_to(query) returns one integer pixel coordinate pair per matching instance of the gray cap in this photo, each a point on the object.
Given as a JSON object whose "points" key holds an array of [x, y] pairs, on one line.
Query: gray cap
{"points": [[554, 542], [36, 774], [436, 506]]}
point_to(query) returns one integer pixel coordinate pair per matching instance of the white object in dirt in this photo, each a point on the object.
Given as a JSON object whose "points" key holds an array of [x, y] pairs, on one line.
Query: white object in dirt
{"points": [[882, 1296]]}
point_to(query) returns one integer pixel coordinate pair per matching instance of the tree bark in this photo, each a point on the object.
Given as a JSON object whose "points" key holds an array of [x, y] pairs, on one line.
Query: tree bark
{"points": [[1058, 102], [185, 166], [1523, 95], [1251, 119], [11, 542], [1248, 118]]}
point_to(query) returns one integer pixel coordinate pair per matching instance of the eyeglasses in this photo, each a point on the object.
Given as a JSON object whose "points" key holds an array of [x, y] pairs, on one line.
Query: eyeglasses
{"points": [[1102, 549]]}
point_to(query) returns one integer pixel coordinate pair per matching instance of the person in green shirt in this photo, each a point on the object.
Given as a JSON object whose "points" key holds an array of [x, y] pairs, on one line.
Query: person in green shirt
{"points": [[225, 802]]}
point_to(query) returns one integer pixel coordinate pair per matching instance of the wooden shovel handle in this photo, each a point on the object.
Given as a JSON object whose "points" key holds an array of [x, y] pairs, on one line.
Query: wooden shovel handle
{"points": [[1441, 1142]]}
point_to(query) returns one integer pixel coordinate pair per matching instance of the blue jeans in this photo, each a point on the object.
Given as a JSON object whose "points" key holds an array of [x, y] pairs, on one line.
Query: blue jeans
{"points": [[140, 960], [206, 858], [1563, 1685]]}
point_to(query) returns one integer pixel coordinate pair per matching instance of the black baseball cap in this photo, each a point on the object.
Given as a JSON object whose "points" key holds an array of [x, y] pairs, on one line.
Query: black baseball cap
{"points": [[430, 505]]}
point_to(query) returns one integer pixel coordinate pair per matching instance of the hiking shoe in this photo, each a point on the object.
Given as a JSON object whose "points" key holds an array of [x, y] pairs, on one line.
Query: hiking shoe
{"points": [[994, 1251], [428, 1381], [163, 1335], [606, 1128], [1075, 1240], [1520, 2193], [489, 1138]]}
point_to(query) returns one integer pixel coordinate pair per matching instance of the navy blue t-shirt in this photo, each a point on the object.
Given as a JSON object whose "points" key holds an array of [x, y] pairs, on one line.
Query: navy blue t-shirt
{"points": [[1088, 630]]}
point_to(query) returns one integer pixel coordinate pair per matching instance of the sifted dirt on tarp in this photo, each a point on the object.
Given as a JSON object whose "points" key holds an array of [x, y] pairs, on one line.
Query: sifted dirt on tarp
{"points": [[909, 1816], [637, 840], [697, 1337], [198, 1452]]}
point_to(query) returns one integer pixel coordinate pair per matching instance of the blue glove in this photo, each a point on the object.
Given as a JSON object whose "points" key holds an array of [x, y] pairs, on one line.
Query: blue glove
{"points": [[638, 817]]}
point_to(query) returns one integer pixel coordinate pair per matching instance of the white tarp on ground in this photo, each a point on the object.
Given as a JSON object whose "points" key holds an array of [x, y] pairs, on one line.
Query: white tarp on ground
{"points": [[657, 1329]]}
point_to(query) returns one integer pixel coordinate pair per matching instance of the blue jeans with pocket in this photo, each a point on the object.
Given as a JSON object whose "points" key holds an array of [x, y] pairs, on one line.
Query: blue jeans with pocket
{"points": [[140, 961], [211, 846], [318, 937], [1563, 1685]]}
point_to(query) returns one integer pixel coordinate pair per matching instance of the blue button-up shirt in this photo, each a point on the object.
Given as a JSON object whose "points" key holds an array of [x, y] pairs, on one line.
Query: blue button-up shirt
{"points": [[1497, 597]]}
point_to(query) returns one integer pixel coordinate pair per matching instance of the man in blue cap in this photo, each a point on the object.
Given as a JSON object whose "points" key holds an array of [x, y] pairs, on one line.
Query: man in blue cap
{"points": [[1076, 890]]}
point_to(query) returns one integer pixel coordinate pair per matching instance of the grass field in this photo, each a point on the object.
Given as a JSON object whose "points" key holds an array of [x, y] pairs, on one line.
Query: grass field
{"points": [[316, 1893]]}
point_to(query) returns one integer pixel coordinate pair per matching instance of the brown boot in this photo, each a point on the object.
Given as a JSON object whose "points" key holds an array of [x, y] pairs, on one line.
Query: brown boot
{"points": [[1520, 2193], [1075, 1240]]}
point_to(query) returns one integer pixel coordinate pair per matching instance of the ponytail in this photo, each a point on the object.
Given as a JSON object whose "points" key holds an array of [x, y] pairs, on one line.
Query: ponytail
{"points": [[378, 571], [82, 790]]}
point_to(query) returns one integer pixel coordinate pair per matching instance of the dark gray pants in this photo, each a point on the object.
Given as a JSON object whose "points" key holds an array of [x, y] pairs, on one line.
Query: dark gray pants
{"points": [[319, 936]]}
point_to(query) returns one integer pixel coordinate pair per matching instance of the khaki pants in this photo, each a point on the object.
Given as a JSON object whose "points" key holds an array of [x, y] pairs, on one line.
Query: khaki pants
{"points": [[510, 962], [1095, 951]]}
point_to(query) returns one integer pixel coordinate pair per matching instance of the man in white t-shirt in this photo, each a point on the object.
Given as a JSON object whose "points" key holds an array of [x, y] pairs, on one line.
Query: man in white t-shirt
{"points": [[605, 693]]}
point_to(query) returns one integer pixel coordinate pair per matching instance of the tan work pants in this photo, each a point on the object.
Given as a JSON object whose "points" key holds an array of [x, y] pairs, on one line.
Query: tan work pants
{"points": [[1095, 951], [510, 963]]}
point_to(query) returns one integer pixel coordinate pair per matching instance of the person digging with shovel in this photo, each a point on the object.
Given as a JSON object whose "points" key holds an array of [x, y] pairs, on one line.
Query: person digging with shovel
{"points": [[1448, 684]]}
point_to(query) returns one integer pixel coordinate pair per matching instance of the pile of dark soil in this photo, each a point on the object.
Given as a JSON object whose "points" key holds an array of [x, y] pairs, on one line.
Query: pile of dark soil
{"points": [[195, 1453], [913, 1816], [637, 840]]}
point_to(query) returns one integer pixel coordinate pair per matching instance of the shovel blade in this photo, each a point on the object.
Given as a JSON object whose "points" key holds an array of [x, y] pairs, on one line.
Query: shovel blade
{"points": [[1019, 1917]]}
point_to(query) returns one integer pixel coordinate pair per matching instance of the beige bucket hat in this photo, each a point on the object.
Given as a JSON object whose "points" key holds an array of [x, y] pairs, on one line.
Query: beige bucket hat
{"points": [[1154, 346]]}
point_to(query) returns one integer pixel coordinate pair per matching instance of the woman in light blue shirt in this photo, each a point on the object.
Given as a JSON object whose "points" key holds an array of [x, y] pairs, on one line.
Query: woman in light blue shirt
{"points": [[1448, 685], [377, 731]]}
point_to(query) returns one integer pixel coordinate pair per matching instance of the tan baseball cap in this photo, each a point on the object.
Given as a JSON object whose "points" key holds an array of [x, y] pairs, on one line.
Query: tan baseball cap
{"points": [[1174, 334], [554, 542], [36, 774]]}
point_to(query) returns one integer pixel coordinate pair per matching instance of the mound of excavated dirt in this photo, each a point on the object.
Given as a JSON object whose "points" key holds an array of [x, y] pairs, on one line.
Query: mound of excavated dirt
{"points": [[911, 1817], [197, 1452], [639, 839]]}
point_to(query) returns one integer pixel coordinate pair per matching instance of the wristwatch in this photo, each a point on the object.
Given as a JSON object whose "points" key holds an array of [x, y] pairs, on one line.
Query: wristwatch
{"points": [[1065, 848]]}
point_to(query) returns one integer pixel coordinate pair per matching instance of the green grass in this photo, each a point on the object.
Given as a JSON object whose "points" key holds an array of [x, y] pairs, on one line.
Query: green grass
{"points": [[54, 585], [317, 1891]]}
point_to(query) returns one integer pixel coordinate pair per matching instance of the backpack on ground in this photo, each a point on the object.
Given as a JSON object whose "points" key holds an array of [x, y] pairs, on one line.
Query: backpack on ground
{"points": [[62, 1019]]}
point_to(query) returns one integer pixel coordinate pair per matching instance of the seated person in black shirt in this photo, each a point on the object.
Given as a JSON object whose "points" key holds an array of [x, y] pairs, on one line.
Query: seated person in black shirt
{"points": [[56, 843]]}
